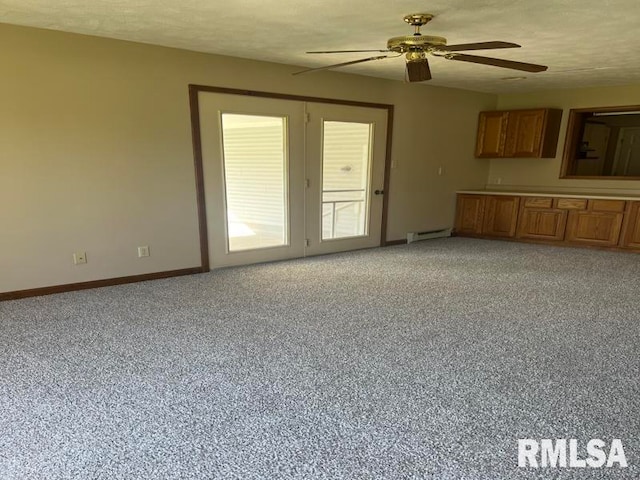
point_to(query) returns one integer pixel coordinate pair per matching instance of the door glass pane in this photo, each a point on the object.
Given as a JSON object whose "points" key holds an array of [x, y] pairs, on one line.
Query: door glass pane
{"points": [[255, 176], [346, 160]]}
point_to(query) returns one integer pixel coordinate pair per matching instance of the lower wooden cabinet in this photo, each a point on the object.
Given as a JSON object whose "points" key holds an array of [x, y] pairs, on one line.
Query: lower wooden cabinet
{"points": [[631, 228], [600, 224], [500, 216], [469, 214], [538, 220], [489, 215], [575, 221], [593, 228]]}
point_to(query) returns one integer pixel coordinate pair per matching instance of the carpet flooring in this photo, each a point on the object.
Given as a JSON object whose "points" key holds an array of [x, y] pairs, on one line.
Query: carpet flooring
{"points": [[427, 360]]}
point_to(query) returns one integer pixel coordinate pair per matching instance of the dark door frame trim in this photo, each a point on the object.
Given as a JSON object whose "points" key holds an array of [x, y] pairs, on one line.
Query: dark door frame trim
{"points": [[194, 91]]}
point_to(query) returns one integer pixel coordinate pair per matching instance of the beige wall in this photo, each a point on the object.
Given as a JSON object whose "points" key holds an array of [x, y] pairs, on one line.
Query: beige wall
{"points": [[96, 156], [532, 174]]}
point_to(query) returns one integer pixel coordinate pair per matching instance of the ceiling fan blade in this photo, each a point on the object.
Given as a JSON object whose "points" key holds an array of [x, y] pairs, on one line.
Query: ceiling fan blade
{"points": [[497, 62], [343, 64], [418, 70], [477, 46], [348, 51]]}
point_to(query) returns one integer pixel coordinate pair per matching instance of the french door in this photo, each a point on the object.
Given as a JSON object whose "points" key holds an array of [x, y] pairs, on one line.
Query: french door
{"points": [[286, 179], [345, 148]]}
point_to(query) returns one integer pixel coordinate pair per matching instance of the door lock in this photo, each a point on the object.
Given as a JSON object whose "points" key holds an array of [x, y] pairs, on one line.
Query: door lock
{"points": [[379, 192]]}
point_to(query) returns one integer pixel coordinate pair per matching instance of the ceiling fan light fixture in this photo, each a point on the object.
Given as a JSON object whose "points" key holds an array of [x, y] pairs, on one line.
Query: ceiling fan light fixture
{"points": [[418, 70], [415, 56]]}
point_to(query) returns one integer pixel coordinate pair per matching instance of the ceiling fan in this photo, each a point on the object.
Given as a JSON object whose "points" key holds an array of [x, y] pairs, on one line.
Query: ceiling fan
{"points": [[416, 47]]}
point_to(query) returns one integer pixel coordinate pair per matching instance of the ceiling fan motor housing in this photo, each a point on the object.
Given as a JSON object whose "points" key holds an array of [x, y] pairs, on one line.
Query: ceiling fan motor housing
{"points": [[409, 43]]}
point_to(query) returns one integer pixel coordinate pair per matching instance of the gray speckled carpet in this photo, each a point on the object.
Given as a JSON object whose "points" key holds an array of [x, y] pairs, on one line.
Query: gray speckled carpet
{"points": [[426, 360]]}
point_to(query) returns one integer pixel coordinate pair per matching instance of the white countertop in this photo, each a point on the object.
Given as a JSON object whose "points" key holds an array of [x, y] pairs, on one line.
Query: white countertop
{"points": [[604, 196]]}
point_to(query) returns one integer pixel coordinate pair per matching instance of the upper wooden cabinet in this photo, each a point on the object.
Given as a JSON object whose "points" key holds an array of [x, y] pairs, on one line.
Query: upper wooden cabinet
{"points": [[518, 133], [492, 133]]}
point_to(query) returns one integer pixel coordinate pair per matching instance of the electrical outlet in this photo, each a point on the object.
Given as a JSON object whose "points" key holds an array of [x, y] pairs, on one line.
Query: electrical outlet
{"points": [[79, 258], [143, 251]]}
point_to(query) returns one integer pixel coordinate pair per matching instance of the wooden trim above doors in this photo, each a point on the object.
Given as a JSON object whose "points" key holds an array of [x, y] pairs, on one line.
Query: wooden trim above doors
{"points": [[284, 96], [194, 90]]}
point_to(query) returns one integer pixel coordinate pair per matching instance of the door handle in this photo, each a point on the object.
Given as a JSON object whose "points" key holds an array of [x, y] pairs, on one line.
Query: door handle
{"points": [[379, 192]]}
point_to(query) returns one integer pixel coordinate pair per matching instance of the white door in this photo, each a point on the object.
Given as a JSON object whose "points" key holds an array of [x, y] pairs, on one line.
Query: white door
{"points": [[253, 168], [627, 160], [346, 148], [276, 190]]}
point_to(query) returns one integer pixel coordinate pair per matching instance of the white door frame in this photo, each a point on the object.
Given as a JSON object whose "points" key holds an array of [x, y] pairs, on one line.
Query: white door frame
{"points": [[194, 91]]}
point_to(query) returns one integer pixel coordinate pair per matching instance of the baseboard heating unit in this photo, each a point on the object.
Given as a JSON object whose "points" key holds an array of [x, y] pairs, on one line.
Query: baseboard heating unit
{"points": [[417, 236]]}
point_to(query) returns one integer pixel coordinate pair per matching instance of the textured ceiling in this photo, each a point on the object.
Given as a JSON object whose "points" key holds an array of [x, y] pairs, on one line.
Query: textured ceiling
{"points": [[584, 42]]}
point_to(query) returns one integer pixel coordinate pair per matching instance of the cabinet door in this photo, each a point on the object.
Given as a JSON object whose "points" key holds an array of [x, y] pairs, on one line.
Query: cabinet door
{"points": [[469, 215], [501, 214], [492, 130], [538, 220], [631, 228], [525, 133], [593, 228]]}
